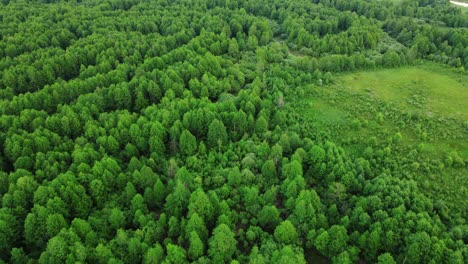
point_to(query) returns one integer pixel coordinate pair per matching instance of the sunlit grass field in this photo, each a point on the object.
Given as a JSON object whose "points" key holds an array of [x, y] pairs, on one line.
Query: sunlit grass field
{"points": [[435, 94]]}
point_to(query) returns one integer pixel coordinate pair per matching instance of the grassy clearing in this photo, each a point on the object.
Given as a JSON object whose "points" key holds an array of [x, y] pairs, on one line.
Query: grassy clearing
{"points": [[439, 96], [436, 94], [348, 110]]}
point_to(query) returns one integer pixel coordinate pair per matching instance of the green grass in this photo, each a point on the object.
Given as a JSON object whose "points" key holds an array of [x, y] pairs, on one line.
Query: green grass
{"points": [[347, 110], [436, 94]]}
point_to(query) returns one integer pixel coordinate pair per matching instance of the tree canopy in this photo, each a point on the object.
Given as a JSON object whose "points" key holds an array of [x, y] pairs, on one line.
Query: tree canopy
{"points": [[161, 132]]}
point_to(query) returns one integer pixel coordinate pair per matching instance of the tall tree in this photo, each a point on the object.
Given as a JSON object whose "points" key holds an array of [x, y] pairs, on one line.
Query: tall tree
{"points": [[217, 135], [222, 244]]}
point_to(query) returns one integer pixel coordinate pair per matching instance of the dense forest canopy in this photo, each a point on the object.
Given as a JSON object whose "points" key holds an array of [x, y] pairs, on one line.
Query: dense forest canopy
{"points": [[162, 132]]}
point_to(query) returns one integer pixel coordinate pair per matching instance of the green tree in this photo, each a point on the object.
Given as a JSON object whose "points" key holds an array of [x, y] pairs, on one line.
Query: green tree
{"points": [[222, 244], [276, 154], [56, 251], [35, 230], [116, 218], [316, 154], [269, 217], [55, 222], [187, 143], [217, 135], [233, 48], [200, 203], [269, 171], [175, 254], [342, 258], [307, 213], [154, 255], [8, 231], [332, 242], [196, 246], [176, 202], [386, 258], [104, 254], [261, 126], [240, 124], [159, 191], [18, 256], [287, 255], [286, 233], [197, 224]]}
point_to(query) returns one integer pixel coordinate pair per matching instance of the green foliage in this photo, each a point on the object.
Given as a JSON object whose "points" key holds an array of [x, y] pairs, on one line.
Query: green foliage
{"points": [[175, 254], [188, 143], [217, 135], [196, 248], [333, 241], [287, 255], [269, 217], [222, 244], [286, 233], [386, 258], [223, 132], [154, 254], [261, 126], [200, 204], [116, 218]]}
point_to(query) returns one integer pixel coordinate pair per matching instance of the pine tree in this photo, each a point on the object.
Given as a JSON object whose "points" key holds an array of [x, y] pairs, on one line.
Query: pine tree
{"points": [[187, 143], [217, 135]]}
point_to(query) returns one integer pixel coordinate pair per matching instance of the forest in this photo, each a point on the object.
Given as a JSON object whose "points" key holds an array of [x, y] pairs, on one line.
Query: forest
{"points": [[233, 131]]}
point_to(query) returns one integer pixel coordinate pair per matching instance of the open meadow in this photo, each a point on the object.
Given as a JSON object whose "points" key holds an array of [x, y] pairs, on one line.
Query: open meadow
{"points": [[419, 112]]}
